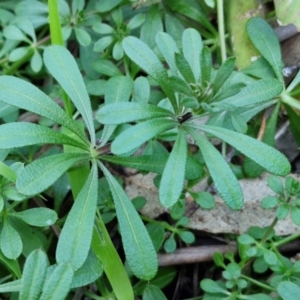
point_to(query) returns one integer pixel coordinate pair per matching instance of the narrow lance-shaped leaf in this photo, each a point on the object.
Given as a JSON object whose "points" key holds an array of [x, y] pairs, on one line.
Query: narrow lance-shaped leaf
{"points": [[257, 92], [139, 250], [167, 47], [265, 41], [206, 66], [224, 180], [57, 285], [117, 89], [64, 69], [24, 95], [33, 276], [75, 238], [40, 174], [13, 135], [223, 73], [267, 157], [118, 113], [144, 57], [172, 180], [136, 135], [192, 47]]}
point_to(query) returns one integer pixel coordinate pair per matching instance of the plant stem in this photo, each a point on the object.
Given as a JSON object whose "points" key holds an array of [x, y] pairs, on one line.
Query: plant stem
{"points": [[221, 29], [258, 283], [287, 239], [55, 26]]}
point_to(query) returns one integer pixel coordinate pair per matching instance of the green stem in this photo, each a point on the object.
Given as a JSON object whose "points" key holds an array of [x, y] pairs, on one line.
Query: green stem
{"points": [[287, 240], [112, 264], [55, 26], [285, 98], [164, 224], [221, 29], [258, 283], [15, 66]]}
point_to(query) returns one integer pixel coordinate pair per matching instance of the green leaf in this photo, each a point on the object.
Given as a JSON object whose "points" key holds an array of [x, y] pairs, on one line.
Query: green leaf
{"points": [[40, 174], [136, 135], [141, 90], [39, 216], [211, 286], [103, 43], [172, 180], [90, 271], [34, 274], [12, 286], [255, 93], [192, 47], [82, 36], [64, 69], [223, 177], [106, 67], [181, 86], [223, 74], [57, 285], [118, 113], [206, 66], [270, 202], [18, 53], [204, 199], [14, 135], [7, 172], [12, 32], [167, 47], [294, 123], [275, 184], [170, 244], [24, 95], [107, 5], [282, 211], [266, 42], [75, 238], [288, 290], [136, 21], [295, 215], [184, 68], [139, 250], [187, 236], [10, 241], [36, 61], [152, 292], [267, 157], [145, 58], [152, 25]]}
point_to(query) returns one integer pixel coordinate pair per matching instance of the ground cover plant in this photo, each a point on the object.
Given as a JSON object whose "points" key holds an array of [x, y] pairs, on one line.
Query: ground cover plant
{"points": [[90, 88]]}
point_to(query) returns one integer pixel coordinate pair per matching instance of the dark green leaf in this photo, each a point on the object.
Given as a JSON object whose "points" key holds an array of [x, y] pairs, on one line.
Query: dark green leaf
{"points": [[34, 274], [275, 184], [184, 68], [106, 67], [13, 135], [206, 66], [122, 112], [223, 74], [64, 69], [266, 42], [139, 250], [152, 292], [136, 135], [211, 286], [157, 234], [144, 57], [187, 236], [294, 123], [282, 211], [43, 172], [224, 179], [295, 215], [170, 244], [181, 86], [22, 94], [82, 36], [172, 180], [141, 90], [75, 238]]}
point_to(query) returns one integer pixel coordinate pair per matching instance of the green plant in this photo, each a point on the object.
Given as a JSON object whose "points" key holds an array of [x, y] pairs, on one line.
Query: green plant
{"points": [[152, 88]]}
